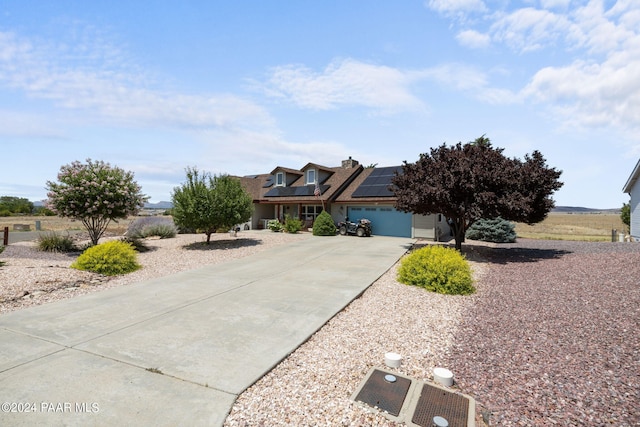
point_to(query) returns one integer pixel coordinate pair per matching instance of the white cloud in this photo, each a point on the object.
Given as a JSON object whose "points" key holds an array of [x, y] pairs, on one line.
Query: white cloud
{"points": [[345, 83], [456, 8], [473, 39], [530, 29], [93, 76], [597, 86], [592, 94]]}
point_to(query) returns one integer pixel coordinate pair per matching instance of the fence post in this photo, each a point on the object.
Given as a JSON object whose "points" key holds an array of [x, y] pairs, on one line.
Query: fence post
{"points": [[5, 239]]}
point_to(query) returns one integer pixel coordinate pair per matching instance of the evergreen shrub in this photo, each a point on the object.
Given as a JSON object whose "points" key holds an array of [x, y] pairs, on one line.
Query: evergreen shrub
{"points": [[323, 225], [437, 269], [110, 258], [495, 230]]}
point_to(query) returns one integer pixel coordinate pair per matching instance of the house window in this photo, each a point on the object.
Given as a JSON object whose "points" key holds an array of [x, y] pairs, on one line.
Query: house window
{"points": [[311, 176], [280, 179], [310, 212]]}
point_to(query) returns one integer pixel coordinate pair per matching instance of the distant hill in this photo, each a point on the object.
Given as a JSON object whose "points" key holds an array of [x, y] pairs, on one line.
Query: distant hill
{"points": [[159, 205], [580, 210]]}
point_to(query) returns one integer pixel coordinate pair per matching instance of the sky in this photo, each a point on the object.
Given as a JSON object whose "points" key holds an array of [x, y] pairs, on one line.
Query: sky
{"points": [[240, 88]]}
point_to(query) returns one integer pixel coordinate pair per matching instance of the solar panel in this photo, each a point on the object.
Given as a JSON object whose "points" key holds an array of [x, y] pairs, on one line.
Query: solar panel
{"points": [[377, 183], [268, 183], [301, 191]]}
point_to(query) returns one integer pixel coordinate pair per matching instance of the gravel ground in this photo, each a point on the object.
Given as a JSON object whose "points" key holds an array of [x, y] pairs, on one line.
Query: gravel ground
{"points": [[30, 277], [550, 338]]}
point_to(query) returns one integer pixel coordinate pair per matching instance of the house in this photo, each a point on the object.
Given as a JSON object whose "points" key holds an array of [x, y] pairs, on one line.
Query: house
{"points": [[347, 191], [632, 187]]}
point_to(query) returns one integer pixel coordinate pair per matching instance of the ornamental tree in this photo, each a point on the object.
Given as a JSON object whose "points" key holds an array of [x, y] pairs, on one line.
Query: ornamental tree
{"points": [[207, 203], [96, 194], [475, 180]]}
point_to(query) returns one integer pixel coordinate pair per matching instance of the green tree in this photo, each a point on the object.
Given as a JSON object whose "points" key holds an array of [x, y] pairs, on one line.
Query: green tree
{"points": [[96, 194], [16, 205], [625, 215], [206, 203], [475, 180]]}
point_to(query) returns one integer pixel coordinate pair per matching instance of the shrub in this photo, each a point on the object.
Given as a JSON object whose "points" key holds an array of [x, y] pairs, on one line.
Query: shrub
{"points": [[137, 244], [110, 258], [152, 226], [437, 269], [496, 230], [323, 225], [5, 212], [274, 225], [292, 225], [54, 242]]}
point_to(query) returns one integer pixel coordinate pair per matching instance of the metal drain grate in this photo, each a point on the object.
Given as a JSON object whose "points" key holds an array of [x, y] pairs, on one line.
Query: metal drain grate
{"points": [[435, 402], [384, 395]]}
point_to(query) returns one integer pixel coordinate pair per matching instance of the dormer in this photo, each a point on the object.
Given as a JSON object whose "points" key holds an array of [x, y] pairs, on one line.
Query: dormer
{"points": [[284, 177], [314, 173]]}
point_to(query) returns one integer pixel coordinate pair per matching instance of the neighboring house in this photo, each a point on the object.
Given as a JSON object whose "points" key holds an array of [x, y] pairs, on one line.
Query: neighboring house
{"points": [[632, 187], [348, 191]]}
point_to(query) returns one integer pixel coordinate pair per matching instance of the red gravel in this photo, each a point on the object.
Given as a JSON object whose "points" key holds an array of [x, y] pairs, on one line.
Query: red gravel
{"points": [[553, 337]]}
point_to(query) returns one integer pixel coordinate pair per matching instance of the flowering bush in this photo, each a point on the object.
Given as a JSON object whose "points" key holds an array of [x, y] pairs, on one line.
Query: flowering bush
{"points": [[94, 193]]}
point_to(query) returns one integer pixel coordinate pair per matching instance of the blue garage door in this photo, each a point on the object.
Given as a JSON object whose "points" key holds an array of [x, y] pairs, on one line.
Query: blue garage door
{"points": [[385, 220]]}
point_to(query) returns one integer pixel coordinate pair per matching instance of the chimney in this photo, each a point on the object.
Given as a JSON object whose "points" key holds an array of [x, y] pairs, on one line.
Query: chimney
{"points": [[349, 163]]}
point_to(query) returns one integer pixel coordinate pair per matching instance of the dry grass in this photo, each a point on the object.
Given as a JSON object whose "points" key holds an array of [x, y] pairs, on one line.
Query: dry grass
{"points": [[592, 227], [55, 223], [558, 226]]}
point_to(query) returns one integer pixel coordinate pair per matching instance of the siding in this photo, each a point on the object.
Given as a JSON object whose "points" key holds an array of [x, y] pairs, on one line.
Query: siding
{"points": [[635, 210], [425, 226]]}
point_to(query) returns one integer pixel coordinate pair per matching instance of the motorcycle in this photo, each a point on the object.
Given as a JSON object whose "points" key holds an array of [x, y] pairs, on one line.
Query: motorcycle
{"points": [[361, 228]]}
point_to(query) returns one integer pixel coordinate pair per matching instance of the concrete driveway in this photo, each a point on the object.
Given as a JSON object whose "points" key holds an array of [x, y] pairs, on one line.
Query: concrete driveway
{"points": [[178, 350]]}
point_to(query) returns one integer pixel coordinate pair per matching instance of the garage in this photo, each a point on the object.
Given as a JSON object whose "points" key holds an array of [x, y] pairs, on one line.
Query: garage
{"points": [[385, 220]]}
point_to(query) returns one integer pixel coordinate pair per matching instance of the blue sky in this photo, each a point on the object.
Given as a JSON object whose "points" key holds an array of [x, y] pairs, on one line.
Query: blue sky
{"points": [[242, 87]]}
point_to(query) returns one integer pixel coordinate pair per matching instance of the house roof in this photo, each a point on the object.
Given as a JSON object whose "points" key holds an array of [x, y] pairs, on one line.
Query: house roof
{"points": [[287, 170], [371, 186], [262, 189], [631, 182]]}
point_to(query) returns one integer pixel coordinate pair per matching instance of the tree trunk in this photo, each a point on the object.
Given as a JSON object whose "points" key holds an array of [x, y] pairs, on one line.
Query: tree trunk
{"points": [[208, 233], [458, 232]]}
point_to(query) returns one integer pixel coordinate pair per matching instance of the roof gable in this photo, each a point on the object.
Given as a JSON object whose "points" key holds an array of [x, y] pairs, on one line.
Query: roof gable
{"points": [[633, 178]]}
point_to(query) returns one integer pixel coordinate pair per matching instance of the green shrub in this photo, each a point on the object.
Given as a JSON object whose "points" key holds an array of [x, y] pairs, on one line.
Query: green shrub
{"points": [[137, 244], [5, 212], [54, 242], [152, 226], [495, 230], [292, 225], [324, 225], [110, 258], [437, 269], [274, 225]]}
